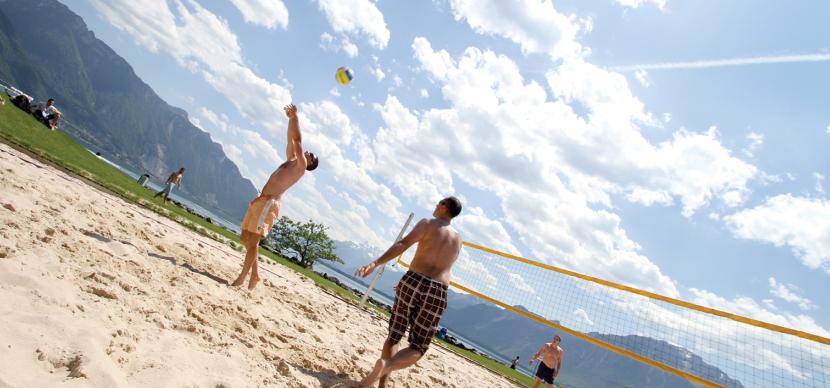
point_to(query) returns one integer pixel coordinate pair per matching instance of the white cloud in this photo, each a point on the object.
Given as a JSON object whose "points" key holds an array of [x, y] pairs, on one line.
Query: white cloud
{"points": [[329, 43], [533, 24], [480, 229], [733, 198], [660, 4], [203, 43], [267, 13], [642, 78], [755, 141], [518, 282], [828, 130], [819, 182], [258, 151], [667, 117], [357, 17], [334, 92], [424, 93], [375, 69], [801, 223], [582, 315], [787, 292]]}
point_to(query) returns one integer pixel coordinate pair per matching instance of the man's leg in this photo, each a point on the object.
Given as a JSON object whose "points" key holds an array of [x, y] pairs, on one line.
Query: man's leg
{"points": [[383, 367], [254, 267], [389, 350], [536, 384], [251, 243]]}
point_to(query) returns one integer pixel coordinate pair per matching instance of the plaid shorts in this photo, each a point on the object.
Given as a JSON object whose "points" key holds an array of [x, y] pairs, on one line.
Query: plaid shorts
{"points": [[419, 303]]}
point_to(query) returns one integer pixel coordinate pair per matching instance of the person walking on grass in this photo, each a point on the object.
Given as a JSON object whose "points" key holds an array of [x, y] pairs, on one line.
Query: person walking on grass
{"points": [[175, 178], [264, 209]]}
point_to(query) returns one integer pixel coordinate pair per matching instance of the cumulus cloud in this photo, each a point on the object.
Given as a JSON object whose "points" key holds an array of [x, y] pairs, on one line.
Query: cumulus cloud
{"points": [[357, 18], [800, 223], [788, 292], [578, 161], [271, 14], [535, 25]]}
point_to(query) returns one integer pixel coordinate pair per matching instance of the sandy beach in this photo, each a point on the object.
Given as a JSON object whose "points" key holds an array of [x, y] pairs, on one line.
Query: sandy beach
{"points": [[96, 291]]}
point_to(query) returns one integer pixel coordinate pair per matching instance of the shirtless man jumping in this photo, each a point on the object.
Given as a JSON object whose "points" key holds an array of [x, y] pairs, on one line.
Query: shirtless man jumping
{"points": [[263, 210], [421, 295], [551, 355]]}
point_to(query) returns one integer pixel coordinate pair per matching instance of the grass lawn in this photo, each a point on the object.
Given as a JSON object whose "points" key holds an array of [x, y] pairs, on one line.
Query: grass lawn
{"points": [[23, 132]]}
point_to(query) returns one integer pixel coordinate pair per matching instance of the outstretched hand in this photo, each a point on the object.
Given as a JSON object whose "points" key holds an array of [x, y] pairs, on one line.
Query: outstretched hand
{"points": [[290, 111], [365, 270]]}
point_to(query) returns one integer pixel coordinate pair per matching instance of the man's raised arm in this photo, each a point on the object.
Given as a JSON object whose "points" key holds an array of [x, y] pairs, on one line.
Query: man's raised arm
{"points": [[294, 143], [395, 250]]}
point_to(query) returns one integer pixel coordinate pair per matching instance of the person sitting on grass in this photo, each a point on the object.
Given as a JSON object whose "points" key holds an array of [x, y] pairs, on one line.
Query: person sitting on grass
{"points": [[47, 113]]}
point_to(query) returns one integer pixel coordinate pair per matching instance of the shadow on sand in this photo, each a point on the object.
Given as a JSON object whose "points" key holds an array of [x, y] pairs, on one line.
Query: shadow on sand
{"points": [[190, 268]]}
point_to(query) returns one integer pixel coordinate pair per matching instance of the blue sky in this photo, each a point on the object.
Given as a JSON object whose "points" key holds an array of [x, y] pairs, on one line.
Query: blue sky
{"points": [[552, 121]]}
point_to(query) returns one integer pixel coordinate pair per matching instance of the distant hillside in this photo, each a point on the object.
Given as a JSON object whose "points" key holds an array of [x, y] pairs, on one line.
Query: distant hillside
{"points": [[510, 334], [48, 51]]}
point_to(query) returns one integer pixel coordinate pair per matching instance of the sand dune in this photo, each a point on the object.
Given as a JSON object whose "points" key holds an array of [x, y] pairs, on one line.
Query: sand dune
{"points": [[95, 291]]}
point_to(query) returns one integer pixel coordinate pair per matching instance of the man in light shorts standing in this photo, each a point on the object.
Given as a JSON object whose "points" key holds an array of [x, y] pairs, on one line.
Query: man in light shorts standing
{"points": [[421, 295], [263, 210]]}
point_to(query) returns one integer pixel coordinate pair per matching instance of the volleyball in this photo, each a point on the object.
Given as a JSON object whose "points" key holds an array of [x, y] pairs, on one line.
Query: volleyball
{"points": [[343, 75]]}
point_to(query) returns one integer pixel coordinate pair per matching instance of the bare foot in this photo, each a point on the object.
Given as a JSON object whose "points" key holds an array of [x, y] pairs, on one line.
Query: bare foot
{"points": [[253, 282], [238, 282], [374, 375]]}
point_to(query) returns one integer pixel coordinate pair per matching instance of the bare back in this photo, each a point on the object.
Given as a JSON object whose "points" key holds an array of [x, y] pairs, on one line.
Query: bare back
{"points": [[286, 175], [438, 248]]}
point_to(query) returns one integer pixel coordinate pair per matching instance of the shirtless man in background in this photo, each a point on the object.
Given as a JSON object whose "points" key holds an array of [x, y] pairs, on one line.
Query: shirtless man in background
{"points": [[421, 295], [263, 210], [551, 355]]}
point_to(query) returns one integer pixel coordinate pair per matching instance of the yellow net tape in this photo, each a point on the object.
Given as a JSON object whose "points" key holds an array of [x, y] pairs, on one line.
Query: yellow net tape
{"points": [[701, 344]]}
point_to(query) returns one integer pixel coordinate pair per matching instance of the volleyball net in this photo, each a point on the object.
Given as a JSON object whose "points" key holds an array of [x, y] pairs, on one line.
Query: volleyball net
{"points": [[701, 344]]}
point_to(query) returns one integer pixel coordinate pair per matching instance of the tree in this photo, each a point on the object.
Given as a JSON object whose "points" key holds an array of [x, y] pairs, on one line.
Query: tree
{"points": [[304, 243]]}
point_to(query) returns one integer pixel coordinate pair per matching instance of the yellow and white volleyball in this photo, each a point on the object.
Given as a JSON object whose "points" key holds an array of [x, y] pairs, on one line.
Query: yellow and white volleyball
{"points": [[344, 75]]}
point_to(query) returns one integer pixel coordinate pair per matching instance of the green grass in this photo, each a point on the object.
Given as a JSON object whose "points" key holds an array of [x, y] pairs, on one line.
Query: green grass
{"points": [[23, 132]]}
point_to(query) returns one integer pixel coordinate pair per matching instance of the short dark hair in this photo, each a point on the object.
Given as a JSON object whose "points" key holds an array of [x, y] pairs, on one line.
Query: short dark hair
{"points": [[453, 204], [51, 99], [311, 166], [557, 337]]}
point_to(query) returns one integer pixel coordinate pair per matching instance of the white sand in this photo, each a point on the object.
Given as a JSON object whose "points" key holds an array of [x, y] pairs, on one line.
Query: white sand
{"points": [[95, 291]]}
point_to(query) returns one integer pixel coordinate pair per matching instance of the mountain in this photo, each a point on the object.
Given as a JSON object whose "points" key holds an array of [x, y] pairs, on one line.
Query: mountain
{"points": [[508, 334], [48, 51]]}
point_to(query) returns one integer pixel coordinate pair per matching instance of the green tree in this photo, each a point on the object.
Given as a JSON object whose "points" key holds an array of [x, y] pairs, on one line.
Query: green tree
{"points": [[303, 242]]}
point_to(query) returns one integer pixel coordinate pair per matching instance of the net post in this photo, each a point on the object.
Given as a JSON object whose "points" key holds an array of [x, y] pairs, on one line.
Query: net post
{"points": [[380, 271]]}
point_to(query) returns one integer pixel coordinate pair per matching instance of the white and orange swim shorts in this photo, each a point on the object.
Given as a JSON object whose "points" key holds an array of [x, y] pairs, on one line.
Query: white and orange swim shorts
{"points": [[262, 212]]}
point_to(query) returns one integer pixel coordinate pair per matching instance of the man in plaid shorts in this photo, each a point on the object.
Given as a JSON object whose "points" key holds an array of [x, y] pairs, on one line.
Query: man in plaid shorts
{"points": [[421, 295]]}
